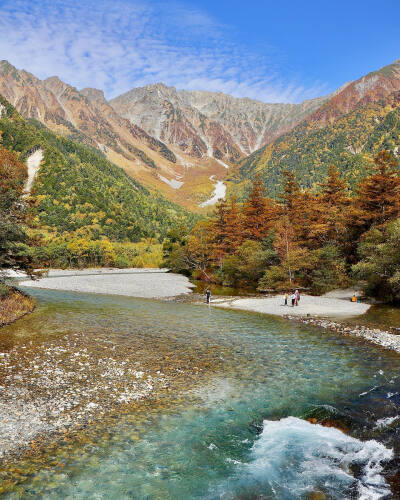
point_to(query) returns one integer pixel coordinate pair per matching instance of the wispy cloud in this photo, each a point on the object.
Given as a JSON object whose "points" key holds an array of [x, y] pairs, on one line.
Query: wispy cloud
{"points": [[117, 45]]}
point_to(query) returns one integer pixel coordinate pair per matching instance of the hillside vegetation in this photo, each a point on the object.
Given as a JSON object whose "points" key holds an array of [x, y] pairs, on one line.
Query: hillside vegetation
{"points": [[79, 196], [350, 143], [78, 187]]}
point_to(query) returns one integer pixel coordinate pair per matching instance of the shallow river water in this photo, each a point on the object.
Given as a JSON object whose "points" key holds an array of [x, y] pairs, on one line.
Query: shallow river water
{"points": [[230, 421]]}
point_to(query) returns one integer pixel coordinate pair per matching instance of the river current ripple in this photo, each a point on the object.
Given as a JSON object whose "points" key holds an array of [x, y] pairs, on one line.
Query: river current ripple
{"points": [[179, 400]]}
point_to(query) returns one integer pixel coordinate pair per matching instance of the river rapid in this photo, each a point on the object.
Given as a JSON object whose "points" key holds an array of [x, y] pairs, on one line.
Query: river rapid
{"points": [[152, 400]]}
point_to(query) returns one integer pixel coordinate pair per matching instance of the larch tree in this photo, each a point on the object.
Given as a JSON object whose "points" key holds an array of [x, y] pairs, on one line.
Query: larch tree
{"points": [[291, 192], [335, 203], [233, 226], [259, 212], [200, 248], [379, 193], [218, 228]]}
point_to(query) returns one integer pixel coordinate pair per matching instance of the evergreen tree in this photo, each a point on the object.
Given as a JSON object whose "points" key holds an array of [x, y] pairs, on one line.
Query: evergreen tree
{"points": [[291, 192], [379, 193], [334, 189], [218, 227], [259, 212], [335, 201], [233, 226]]}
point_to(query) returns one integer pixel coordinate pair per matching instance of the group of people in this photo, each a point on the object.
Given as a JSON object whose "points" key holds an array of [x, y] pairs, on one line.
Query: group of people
{"points": [[295, 298]]}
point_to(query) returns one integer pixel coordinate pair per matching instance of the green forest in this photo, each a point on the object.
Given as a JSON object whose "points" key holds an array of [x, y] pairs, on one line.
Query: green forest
{"points": [[350, 143], [84, 210]]}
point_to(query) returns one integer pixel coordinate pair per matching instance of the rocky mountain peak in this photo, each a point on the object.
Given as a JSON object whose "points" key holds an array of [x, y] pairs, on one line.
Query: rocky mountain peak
{"points": [[56, 85], [233, 127], [94, 95]]}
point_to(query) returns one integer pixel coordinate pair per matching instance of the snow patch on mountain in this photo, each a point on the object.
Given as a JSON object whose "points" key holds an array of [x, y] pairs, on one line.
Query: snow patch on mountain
{"points": [[33, 165]]}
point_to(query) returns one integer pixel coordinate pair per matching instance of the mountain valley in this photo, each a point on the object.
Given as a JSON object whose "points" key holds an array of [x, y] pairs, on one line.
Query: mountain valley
{"points": [[180, 143]]}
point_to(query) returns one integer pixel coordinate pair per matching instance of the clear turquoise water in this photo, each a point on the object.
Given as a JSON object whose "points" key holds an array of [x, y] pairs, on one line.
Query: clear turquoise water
{"points": [[231, 437]]}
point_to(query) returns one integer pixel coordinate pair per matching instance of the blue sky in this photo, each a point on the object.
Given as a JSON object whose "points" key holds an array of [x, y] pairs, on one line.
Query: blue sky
{"points": [[275, 51]]}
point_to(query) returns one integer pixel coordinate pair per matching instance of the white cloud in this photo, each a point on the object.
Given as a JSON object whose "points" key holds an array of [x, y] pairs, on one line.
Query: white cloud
{"points": [[117, 45]]}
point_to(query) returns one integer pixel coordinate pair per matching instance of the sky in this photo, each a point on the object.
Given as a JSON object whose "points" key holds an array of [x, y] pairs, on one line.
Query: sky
{"points": [[274, 51]]}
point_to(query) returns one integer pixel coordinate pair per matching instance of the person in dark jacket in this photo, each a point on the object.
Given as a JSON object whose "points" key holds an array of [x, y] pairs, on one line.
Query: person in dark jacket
{"points": [[208, 295]]}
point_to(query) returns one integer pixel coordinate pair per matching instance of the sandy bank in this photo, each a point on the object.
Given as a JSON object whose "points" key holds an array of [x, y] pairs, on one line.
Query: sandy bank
{"points": [[145, 283], [309, 305]]}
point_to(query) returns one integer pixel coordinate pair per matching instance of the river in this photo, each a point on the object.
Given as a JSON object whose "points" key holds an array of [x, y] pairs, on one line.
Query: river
{"points": [[223, 415]]}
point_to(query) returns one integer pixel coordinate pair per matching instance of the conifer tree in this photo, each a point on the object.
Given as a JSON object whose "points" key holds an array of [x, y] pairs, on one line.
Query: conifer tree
{"points": [[291, 192], [254, 212], [199, 248], [233, 227], [334, 189], [379, 193], [334, 203], [218, 227], [259, 212]]}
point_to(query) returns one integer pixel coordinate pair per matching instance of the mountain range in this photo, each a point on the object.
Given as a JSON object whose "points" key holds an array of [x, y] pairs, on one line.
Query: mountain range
{"points": [[178, 142], [184, 143], [347, 131], [77, 192]]}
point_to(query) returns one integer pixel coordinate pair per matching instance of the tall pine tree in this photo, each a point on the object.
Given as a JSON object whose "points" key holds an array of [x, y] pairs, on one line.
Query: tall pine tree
{"points": [[259, 212], [379, 193]]}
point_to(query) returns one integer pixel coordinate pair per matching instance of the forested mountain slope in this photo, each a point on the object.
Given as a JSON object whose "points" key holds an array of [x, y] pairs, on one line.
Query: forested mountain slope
{"points": [[78, 188], [346, 131], [85, 116]]}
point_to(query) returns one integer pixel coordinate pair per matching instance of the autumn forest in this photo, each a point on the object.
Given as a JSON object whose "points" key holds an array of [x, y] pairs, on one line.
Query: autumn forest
{"points": [[314, 240]]}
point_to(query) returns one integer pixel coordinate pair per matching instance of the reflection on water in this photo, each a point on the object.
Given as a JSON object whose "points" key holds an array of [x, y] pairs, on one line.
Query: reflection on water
{"points": [[204, 439]]}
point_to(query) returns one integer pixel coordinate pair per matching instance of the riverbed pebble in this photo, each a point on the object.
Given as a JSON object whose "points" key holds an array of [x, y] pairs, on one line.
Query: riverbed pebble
{"points": [[376, 336]]}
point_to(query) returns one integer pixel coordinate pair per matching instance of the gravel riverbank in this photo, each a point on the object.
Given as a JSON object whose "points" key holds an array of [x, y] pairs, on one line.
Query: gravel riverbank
{"points": [[379, 337], [143, 283]]}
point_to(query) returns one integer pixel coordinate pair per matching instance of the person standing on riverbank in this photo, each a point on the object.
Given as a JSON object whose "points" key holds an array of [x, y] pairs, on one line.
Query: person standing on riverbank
{"points": [[297, 293], [286, 298], [208, 295], [293, 297]]}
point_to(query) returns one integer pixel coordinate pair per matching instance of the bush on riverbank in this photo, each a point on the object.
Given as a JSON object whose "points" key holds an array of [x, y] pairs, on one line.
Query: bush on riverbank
{"points": [[80, 251], [13, 304]]}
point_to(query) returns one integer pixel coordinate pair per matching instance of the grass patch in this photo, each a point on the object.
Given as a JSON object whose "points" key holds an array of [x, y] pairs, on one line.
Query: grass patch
{"points": [[13, 304]]}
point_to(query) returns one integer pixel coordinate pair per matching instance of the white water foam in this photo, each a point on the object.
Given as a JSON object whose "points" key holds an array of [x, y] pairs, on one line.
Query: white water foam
{"points": [[295, 457], [385, 422]]}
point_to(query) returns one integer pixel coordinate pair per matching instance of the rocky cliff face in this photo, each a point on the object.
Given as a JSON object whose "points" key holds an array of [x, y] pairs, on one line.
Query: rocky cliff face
{"points": [[367, 90], [163, 113], [209, 123], [86, 116], [252, 124], [31, 97]]}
